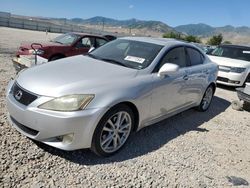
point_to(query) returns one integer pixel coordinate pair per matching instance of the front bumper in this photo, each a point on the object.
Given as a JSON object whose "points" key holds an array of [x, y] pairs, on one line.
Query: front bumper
{"points": [[46, 126], [231, 79]]}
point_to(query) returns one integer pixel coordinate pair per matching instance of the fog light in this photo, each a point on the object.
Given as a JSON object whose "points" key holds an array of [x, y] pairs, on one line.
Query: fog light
{"points": [[68, 138]]}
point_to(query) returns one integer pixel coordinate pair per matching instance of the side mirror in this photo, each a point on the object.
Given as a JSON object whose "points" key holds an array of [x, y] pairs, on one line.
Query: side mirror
{"points": [[168, 69], [91, 49]]}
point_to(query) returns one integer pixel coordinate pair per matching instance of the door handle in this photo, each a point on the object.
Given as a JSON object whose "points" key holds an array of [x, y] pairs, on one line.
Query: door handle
{"points": [[185, 77]]}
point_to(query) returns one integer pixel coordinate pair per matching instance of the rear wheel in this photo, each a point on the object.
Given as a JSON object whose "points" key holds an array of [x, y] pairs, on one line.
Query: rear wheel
{"points": [[113, 130], [247, 79], [206, 100]]}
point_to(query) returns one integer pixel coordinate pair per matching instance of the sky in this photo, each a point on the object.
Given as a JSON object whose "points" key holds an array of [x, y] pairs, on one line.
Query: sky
{"points": [[172, 12]]}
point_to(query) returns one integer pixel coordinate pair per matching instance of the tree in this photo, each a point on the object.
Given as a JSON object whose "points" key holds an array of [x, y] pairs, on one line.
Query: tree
{"points": [[188, 38], [226, 42], [172, 35], [215, 40], [191, 38]]}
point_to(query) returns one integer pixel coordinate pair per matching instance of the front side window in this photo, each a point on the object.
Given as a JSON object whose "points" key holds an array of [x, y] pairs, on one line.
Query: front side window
{"points": [[129, 53], [100, 42], [196, 58], [176, 56], [231, 52]]}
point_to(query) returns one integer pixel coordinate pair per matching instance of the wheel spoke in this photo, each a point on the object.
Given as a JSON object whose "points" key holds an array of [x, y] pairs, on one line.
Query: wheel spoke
{"points": [[107, 139], [119, 117], [107, 144], [108, 129], [123, 117], [111, 123], [121, 129], [115, 142]]}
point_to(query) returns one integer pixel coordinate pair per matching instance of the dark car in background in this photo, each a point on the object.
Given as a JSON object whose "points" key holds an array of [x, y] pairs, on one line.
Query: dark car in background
{"points": [[65, 45]]}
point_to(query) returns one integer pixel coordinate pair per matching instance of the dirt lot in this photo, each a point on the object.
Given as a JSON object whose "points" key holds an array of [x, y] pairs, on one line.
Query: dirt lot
{"points": [[191, 149]]}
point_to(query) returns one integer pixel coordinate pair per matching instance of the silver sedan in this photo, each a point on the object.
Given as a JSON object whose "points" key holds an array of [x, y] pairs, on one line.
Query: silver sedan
{"points": [[95, 101]]}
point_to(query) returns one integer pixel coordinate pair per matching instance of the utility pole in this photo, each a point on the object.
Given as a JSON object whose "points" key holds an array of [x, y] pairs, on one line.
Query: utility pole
{"points": [[103, 22]]}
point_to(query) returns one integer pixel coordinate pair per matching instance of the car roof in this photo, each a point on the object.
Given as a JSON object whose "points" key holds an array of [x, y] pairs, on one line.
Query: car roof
{"points": [[159, 41], [86, 34]]}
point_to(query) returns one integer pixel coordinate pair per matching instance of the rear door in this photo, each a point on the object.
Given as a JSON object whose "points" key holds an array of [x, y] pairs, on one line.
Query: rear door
{"points": [[198, 72]]}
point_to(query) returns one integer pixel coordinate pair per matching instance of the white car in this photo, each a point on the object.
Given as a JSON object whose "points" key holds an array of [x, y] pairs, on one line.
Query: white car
{"points": [[234, 64]]}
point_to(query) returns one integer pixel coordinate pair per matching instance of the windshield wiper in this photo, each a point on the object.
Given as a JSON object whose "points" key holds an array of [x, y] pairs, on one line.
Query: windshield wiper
{"points": [[57, 42], [93, 56], [114, 61]]}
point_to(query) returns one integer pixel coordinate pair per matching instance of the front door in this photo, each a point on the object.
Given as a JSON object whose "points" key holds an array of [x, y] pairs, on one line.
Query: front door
{"points": [[169, 93], [82, 46]]}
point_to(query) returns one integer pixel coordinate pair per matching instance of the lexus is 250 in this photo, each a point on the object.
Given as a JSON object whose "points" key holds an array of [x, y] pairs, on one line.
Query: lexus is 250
{"points": [[96, 100]]}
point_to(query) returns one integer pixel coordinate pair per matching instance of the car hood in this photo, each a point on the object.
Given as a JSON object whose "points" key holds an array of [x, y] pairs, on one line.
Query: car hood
{"points": [[48, 44], [73, 75], [229, 62]]}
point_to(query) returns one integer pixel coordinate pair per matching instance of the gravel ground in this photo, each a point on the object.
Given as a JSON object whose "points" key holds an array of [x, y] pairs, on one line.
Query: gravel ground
{"points": [[191, 149]]}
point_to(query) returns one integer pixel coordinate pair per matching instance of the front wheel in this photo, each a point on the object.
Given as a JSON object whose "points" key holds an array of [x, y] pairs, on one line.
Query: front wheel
{"points": [[113, 130], [206, 100]]}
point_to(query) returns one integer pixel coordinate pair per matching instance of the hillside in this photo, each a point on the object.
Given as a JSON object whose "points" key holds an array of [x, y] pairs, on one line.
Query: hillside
{"points": [[236, 35], [131, 23]]}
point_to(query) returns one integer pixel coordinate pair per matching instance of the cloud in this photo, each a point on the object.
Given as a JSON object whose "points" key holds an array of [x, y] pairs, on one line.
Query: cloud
{"points": [[131, 6]]}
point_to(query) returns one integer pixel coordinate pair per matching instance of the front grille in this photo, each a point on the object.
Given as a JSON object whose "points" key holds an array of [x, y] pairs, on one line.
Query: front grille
{"points": [[222, 79], [22, 96], [24, 128]]}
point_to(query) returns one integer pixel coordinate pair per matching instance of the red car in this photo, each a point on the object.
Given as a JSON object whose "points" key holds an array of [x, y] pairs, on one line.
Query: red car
{"points": [[65, 45]]}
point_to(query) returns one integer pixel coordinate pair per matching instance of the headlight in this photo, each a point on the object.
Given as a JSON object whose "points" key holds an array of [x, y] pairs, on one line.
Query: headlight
{"points": [[31, 51], [237, 69], [68, 103]]}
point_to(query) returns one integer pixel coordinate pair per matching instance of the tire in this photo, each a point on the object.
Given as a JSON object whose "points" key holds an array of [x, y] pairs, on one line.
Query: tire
{"points": [[113, 131], [237, 105], [55, 58], [206, 99], [247, 80]]}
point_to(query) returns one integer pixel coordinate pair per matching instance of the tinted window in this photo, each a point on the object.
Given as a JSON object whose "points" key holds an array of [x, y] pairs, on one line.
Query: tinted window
{"points": [[176, 56], [231, 52], [100, 42], [196, 58]]}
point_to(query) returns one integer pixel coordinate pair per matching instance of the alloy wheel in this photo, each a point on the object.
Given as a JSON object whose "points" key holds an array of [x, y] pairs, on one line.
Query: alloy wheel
{"points": [[207, 98], [115, 132]]}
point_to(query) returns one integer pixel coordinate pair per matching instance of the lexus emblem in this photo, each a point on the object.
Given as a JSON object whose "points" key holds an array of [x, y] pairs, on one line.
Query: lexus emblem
{"points": [[18, 95]]}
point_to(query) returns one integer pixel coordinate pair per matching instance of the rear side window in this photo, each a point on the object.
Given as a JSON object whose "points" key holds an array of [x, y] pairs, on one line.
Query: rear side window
{"points": [[100, 42], [196, 58]]}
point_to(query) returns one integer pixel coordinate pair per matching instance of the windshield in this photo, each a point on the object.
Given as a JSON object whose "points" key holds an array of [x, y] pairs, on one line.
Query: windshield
{"points": [[231, 52], [129, 53], [66, 39]]}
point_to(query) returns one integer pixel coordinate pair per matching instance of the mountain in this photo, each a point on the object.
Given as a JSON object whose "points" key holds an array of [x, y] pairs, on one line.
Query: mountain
{"points": [[204, 30], [195, 29], [236, 35], [131, 23]]}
